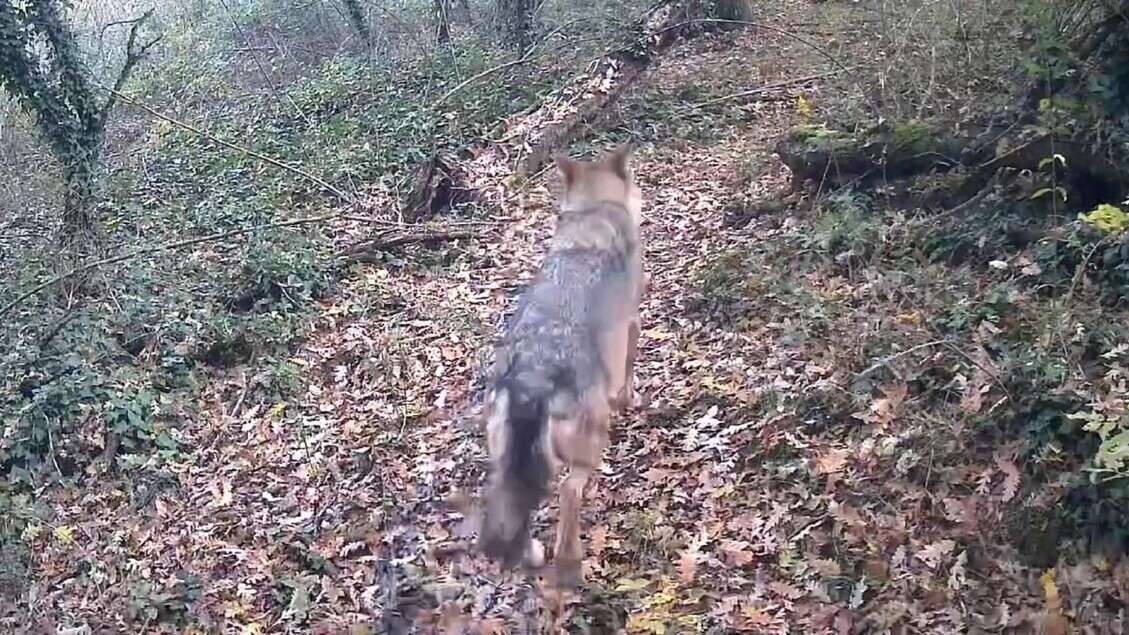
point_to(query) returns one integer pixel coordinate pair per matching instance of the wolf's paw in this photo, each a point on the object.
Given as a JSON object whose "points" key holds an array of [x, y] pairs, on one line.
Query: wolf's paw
{"points": [[534, 554], [626, 400]]}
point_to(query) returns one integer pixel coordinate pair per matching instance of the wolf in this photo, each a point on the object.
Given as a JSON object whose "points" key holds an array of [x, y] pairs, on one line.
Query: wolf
{"points": [[564, 364]]}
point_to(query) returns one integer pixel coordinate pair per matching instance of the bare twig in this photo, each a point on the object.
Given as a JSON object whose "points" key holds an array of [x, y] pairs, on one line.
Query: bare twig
{"points": [[207, 135], [971, 360], [155, 249], [767, 27], [886, 361], [486, 73], [769, 88], [133, 55], [262, 68], [132, 21], [526, 57], [366, 252], [1081, 271], [55, 330]]}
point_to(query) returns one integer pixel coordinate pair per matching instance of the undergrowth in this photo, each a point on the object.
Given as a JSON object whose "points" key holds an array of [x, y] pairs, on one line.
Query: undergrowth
{"points": [[79, 377]]}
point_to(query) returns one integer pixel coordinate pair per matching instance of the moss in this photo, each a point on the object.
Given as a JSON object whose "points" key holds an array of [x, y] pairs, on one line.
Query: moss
{"points": [[805, 133], [911, 135]]}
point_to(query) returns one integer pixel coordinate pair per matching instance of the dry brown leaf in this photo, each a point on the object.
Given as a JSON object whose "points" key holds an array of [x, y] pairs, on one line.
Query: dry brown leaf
{"points": [[876, 569], [688, 565], [962, 511], [787, 591], [598, 542], [492, 626], [831, 462], [973, 399], [935, 554], [1011, 478], [826, 568], [736, 552]]}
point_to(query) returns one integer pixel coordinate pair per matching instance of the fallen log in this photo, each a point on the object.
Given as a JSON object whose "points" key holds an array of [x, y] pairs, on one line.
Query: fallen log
{"points": [[530, 139], [893, 151], [824, 155]]}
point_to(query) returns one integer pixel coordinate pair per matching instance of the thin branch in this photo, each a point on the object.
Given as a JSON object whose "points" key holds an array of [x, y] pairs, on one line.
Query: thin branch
{"points": [[775, 29], [767, 88], [262, 157], [366, 252], [486, 73], [110, 25], [132, 57], [262, 68], [169, 246], [987, 371], [886, 361], [526, 57], [155, 249]]}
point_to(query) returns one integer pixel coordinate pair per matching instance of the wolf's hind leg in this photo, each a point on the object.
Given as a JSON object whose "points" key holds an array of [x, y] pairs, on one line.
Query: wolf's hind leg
{"points": [[626, 397], [569, 551], [613, 354]]}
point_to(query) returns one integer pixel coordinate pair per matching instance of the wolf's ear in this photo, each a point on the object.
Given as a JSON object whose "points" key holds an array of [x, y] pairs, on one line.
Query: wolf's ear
{"points": [[619, 160], [569, 169]]}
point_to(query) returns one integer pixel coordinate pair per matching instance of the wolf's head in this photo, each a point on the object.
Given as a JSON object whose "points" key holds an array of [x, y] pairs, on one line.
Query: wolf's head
{"points": [[608, 180]]}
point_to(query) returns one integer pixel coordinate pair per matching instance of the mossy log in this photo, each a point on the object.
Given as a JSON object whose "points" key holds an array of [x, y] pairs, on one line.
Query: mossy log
{"points": [[892, 151], [889, 151]]}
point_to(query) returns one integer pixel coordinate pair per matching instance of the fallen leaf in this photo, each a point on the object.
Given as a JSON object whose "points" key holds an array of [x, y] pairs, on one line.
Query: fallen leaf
{"points": [[1011, 478], [64, 534], [934, 554], [687, 565], [598, 541], [629, 584], [736, 552], [787, 591], [831, 462]]}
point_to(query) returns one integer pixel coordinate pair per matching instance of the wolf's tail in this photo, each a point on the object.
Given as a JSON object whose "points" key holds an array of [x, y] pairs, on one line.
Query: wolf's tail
{"points": [[521, 475]]}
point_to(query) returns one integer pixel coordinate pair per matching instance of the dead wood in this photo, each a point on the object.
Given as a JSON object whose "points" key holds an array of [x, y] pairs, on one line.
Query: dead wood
{"points": [[893, 151], [369, 251], [439, 185], [526, 142], [890, 151]]}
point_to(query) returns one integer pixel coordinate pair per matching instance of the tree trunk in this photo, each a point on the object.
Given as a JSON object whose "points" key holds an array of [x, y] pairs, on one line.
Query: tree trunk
{"points": [[357, 19], [79, 225], [464, 5], [515, 22], [734, 9], [41, 65], [442, 21]]}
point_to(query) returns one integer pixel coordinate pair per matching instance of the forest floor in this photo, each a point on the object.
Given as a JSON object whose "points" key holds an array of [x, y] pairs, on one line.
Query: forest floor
{"points": [[754, 490]]}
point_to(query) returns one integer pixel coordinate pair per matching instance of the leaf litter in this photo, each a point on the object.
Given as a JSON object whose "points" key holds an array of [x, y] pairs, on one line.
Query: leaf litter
{"points": [[722, 506]]}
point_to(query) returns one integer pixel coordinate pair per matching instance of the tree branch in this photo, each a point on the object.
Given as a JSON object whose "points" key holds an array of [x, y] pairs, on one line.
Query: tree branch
{"points": [[159, 248], [526, 57], [132, 56], [368, 251], [787, 83], [227, 144]]}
